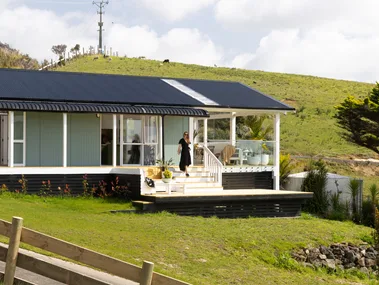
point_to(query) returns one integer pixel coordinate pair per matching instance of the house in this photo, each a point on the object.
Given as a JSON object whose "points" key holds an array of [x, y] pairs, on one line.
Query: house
{"points": [[60, 126]]}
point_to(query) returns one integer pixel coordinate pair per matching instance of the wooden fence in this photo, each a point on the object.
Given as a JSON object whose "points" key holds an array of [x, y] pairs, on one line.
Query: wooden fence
{"points": [[17, 233]]}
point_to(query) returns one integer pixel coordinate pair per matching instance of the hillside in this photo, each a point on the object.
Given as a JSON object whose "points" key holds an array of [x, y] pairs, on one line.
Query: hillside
{"points": [[11, 58], [310, 131]]}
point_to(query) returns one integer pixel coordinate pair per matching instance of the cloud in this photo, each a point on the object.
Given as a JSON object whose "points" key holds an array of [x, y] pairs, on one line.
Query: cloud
{"points": [[35, 31], [175, 10], [3, 5], [322, 52]]}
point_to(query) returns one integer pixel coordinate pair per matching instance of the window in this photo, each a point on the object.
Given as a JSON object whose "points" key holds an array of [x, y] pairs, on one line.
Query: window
{"points": [[19, 139], [139, 139]]}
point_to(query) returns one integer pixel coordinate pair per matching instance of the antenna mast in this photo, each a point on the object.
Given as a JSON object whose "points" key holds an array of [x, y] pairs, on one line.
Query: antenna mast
{"points": [[101, 4]]}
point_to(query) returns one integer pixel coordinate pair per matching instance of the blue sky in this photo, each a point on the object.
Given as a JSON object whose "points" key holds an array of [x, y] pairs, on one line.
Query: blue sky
{"points": [[336, 38]]}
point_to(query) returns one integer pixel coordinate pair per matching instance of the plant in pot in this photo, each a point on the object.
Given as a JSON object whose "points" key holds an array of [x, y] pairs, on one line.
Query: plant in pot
{"points": [[167, 176], [265, 154], [164, 164]]}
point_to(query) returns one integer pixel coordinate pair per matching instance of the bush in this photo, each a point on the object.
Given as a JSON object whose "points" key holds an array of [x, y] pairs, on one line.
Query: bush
{"points": [[354, 190], [285, 168], [339, 211], [367, 213], [315, 182]]}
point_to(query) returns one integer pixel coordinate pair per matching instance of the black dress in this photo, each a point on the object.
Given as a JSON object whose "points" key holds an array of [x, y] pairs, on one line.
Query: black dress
{"points": [[185, 157]]}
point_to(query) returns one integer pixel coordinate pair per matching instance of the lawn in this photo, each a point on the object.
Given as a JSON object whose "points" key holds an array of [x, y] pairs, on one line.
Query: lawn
{"points": [[194, 249], [312, 130]]}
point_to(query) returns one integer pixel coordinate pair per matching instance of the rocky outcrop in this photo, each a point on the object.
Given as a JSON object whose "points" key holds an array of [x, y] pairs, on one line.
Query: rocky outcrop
{"points": [[341, 256]]}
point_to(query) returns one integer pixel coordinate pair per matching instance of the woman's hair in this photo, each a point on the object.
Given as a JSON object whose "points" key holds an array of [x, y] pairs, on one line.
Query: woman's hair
{"points": [[185, 133]]}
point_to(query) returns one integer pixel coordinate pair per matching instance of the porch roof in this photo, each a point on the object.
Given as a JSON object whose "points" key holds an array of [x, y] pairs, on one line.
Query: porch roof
{"points": [[31, 85], [14, 105]]}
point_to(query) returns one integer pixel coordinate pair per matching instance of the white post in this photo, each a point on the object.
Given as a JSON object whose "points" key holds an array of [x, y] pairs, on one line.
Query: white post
{"points": [[160, 136], [277, 152], [121, 140], [11, 139], [64, 139], [190, 132], [233, 120], [205, 141], [24, 138], [114, 159]]}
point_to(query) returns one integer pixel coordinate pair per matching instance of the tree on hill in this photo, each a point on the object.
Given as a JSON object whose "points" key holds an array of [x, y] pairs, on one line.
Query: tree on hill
{"points": [[360, 119], [59, 50], [75, 49]]}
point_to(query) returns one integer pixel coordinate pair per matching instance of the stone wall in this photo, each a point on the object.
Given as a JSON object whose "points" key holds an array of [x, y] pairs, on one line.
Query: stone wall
{"points": [[341, 256]]}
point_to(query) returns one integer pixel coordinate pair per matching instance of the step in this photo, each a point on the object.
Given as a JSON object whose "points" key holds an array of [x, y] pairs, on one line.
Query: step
{"points": [[191, 173], [143, 205], [194, 179], [189, 190], [159, 183]]}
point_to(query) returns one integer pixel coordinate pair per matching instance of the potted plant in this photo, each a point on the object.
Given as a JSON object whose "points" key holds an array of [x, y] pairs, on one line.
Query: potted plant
{"points": [[164, 164], [265, 154], [167, 175]]}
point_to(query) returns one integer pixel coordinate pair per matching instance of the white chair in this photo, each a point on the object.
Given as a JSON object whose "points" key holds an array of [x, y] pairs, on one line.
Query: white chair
{"points": [[237, 156]]}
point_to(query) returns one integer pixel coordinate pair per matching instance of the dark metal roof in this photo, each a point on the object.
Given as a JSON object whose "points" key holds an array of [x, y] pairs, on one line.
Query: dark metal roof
{"points": [[74, 107], [133, 90]]}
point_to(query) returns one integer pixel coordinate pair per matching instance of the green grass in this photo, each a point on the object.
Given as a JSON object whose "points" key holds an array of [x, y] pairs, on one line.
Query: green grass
{"points": [[311, 131], [197, 250]]}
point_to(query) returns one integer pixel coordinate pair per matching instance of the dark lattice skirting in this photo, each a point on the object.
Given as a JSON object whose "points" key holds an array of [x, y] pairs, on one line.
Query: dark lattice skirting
{"points": [[247, 180], [230, 206], [74, 181]]}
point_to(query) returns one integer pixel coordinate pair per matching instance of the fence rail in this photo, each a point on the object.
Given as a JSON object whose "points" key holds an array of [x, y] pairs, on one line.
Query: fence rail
{"points": [[213, 165], [144, 275]]}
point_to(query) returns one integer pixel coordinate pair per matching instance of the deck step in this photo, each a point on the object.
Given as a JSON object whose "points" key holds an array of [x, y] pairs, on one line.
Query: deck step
{"points": [[143, 205]]}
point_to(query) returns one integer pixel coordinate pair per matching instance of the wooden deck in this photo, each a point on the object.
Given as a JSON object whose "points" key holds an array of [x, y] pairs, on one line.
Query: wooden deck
{"points": [[229, 203]]}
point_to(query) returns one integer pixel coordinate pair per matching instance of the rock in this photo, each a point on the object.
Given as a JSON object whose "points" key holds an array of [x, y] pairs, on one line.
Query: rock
{"points": [[350, 255], [317, 263], [370, 255], [370, 262], [330, 255], [324, 250], [306, 251], [363, 252], [340, 267], [338, 251], [349, 265], [322, 256], [330, 263], [371, 249], [364, 270], [299, 257], [361, 262]]}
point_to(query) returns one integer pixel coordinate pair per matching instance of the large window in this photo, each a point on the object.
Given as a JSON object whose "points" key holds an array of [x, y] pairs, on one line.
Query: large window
{"points": [[139, 139]]}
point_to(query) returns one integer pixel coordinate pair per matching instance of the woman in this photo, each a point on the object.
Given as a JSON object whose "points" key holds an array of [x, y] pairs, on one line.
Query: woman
{"points": [[184, 151], [135, 153]]}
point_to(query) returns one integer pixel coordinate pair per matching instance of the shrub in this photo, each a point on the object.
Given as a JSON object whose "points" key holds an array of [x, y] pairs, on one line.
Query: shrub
{"points": [[339, 211], [45, 189], [24, 184], [3, 189], [375, 233], [285, 168], [315, 182], [367, 213]]}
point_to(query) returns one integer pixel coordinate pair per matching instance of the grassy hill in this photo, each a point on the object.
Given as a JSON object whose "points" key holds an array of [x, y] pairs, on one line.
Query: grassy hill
{"points": [[311, 131]]}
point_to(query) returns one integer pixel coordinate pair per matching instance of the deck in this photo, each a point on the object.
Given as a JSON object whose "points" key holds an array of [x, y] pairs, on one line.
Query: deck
{"points": [[228, 203]]}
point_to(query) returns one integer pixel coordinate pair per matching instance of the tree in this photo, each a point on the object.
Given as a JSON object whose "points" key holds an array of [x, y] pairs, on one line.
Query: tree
{"points": [[254, 127], [59, 50], [77, 49], [360, 119]]}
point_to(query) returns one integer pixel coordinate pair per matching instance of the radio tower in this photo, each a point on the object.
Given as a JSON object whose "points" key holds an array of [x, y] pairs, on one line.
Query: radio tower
{"points": [[101, 4]]}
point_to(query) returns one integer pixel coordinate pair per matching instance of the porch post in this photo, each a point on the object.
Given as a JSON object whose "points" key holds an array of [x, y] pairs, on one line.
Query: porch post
{"points": [[64, 139], [190, 132], [233, 129], [160, 137], [11, 139], [277, 152], [114, 150], [205, 132]]}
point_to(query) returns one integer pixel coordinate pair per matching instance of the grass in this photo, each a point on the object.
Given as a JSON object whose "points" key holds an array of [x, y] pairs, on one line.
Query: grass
{"points": [[312, 130], [193, 249]]}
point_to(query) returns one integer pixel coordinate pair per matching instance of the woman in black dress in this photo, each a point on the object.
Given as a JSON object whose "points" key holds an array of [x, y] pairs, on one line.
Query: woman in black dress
{"points": [[184, 151]]}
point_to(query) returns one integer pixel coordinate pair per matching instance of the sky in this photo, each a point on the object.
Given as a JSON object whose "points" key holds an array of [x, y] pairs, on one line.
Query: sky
{"points": [[335, 38]]}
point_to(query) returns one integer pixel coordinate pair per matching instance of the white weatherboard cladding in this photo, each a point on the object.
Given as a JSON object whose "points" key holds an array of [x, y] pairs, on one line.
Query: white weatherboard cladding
{"points": [[190, 92]]}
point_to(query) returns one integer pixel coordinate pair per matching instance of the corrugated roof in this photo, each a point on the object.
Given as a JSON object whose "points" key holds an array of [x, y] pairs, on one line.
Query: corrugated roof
{"points": [[133, 90], [76, 107]]}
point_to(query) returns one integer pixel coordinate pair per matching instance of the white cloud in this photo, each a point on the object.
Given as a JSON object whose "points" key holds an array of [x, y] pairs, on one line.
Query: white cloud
{"points": [[36, 31], [174, 10], [321, 52], [3, 5]]}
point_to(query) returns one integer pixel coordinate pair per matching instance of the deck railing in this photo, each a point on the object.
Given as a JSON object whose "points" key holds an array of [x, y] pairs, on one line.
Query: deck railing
{"points": [[213, 165]]}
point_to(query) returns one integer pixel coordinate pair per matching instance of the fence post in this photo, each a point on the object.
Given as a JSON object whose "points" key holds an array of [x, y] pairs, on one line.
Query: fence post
{"points": [[14, 244], [147, 273]]}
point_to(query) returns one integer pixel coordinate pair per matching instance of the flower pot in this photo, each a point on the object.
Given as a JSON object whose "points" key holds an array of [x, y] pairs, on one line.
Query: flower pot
{"points": [[254, 160], [166, 180], [265, 159]]}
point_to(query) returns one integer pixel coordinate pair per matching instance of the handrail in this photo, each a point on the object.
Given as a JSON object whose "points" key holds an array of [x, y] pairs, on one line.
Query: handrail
{"points": [[212, 164]]}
